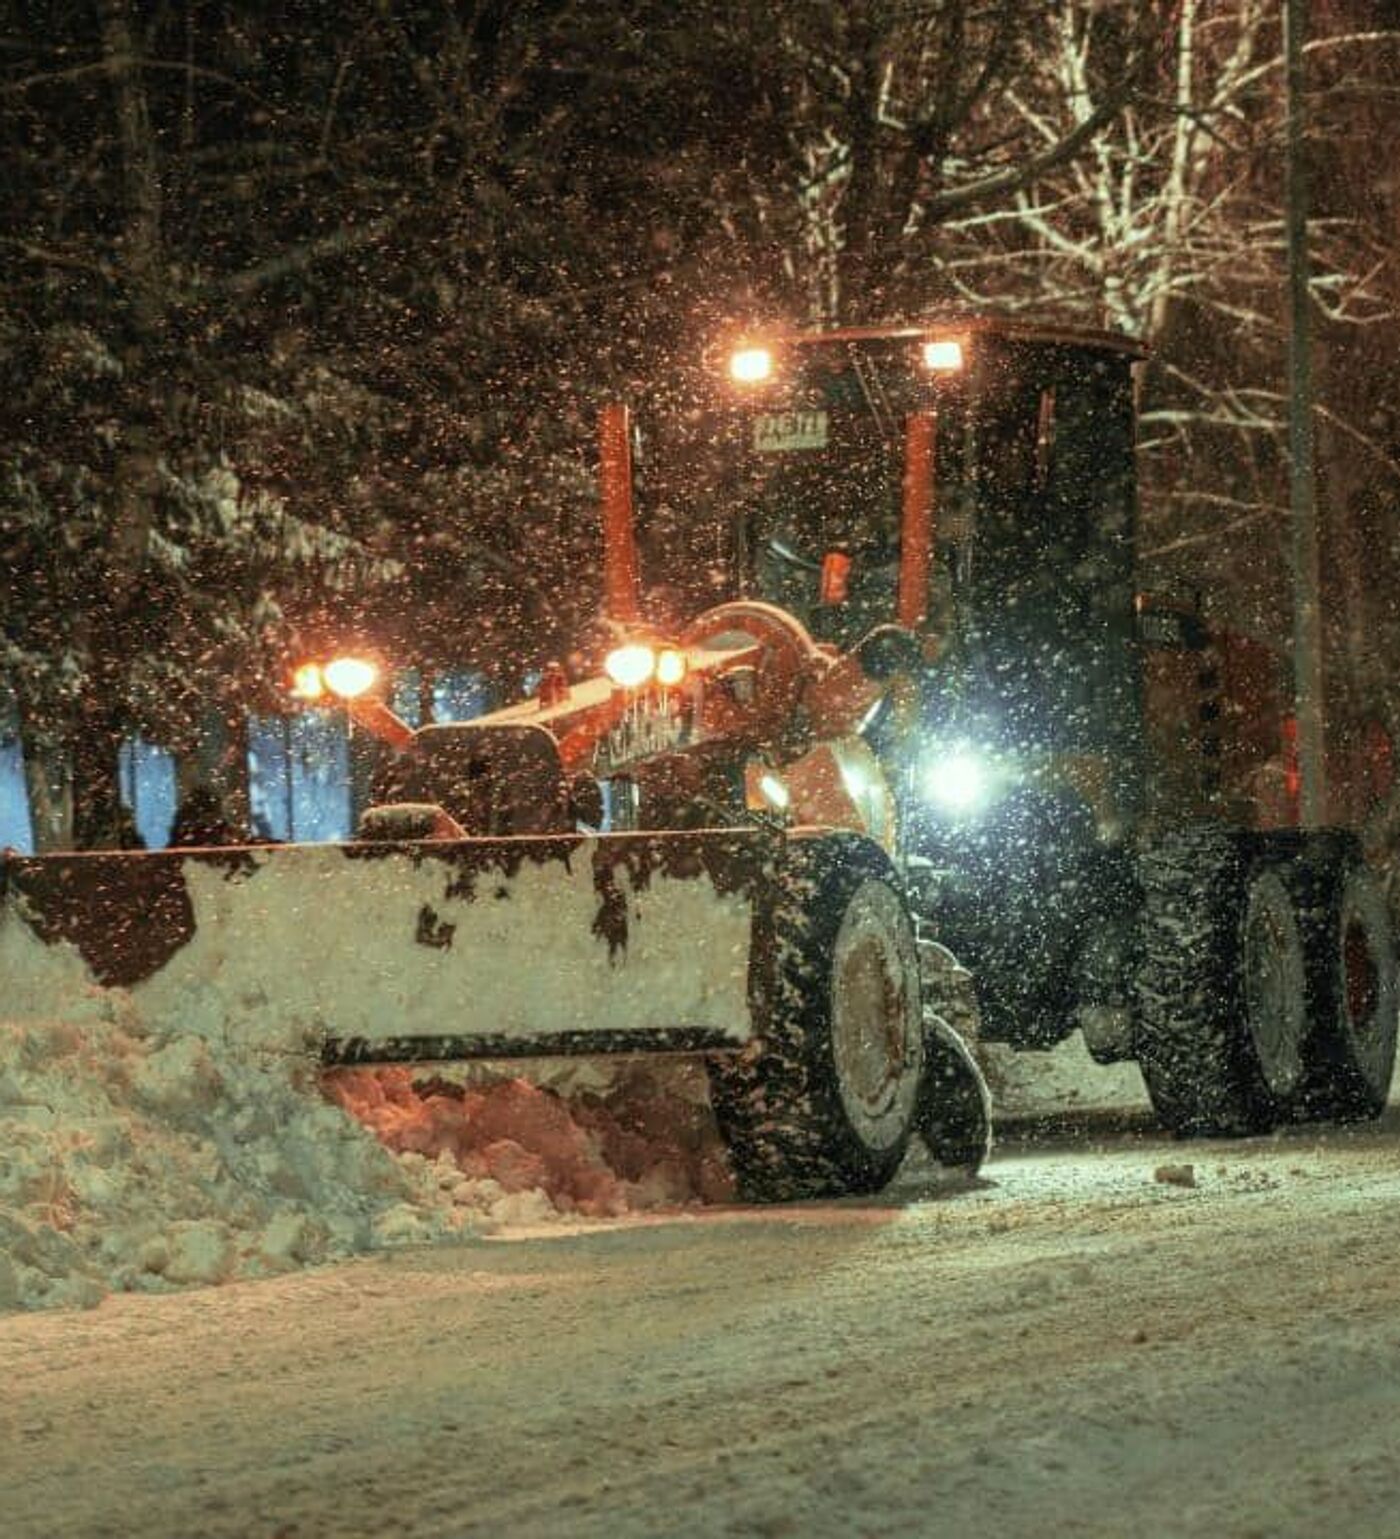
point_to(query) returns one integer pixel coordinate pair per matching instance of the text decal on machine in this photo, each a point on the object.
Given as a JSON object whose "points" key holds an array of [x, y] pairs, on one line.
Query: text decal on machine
{"points": [[778, 430]]}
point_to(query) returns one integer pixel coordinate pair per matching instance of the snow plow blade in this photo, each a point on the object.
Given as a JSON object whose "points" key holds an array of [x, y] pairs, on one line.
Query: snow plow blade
{"points": [[430, 950], [787, 959]]}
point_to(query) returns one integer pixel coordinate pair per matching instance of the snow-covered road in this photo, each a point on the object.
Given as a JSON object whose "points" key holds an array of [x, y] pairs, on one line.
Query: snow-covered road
{"points": [[1074, 1346]]}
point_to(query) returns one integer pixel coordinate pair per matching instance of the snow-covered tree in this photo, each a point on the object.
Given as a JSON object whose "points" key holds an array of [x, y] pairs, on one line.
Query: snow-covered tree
{"points": [[1172, 229], [883, 120], [286, 329], [149, 548]]}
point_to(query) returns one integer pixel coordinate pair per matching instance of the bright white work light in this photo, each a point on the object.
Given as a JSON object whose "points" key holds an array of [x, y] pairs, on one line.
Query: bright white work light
{"points": [[958, 782]]}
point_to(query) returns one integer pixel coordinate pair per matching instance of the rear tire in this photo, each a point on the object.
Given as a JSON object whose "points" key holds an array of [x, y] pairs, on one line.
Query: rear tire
{"points": [[1193, 1046], [1352, 1001], [825, 1102]]}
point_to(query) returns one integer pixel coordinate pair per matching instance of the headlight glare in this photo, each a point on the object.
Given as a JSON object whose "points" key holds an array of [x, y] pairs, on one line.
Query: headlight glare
{"points": [[958, 782], [631, 665]]}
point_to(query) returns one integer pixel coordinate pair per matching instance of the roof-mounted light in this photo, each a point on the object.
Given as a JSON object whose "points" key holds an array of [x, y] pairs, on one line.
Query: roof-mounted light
{"points": [[751, 365], [943, 355]]}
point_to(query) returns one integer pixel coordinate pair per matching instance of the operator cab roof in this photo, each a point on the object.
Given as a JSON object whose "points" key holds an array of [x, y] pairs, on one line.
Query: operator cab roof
{"points": [[960, 324]]}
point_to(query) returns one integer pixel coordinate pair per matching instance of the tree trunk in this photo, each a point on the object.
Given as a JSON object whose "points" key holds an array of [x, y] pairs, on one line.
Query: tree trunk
{"points": [[861, 260], [234, 778], [219, 763], [96, 785], [49, 786], [141, 238]]}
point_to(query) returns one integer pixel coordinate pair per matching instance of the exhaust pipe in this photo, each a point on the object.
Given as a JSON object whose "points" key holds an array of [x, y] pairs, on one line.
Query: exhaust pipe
{"points": [[620, 583], [916, 532]]}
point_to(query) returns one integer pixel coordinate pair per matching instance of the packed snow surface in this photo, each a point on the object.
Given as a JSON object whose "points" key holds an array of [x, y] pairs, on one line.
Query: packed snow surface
{"points": [[1087, 1342]]}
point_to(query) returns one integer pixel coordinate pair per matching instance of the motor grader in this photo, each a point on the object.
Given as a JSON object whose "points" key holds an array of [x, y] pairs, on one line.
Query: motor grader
{"points": [[1096, 792], [933, 726], [937, 640]]}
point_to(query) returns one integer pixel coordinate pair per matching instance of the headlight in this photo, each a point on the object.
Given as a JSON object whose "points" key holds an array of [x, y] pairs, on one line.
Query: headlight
{"points": [[349, 677], [670, 666], [307, 682], [631, 665], [958, 782]]}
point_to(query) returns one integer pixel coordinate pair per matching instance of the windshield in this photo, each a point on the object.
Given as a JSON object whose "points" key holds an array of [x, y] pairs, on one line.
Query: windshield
{"points": [[824, 469]]}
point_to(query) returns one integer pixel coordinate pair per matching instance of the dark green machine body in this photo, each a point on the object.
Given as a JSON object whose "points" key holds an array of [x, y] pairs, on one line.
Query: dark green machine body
{"points": [[1032, 671]]}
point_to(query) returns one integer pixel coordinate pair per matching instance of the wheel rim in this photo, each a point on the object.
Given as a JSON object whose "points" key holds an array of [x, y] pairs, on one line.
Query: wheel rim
{"points": [[1364, 1003], [1274, 986], [1361, 977], [876, 1027]]}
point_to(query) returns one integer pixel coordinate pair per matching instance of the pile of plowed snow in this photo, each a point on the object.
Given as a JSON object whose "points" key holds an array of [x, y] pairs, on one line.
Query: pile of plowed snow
{"points": [[144, 1161]]}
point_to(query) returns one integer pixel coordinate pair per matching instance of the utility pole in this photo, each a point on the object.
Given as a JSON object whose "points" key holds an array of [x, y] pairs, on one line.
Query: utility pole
{"points": [[1307, 604]]}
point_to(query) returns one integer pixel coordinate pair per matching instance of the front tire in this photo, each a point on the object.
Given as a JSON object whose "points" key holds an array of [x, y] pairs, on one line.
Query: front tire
{"points": [[825, 1102], [955, 1104], [955, 1108]]}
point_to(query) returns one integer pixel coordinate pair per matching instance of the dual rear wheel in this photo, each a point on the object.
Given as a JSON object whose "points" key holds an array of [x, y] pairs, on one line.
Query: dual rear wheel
{"points": [[1349, 1054], [1267, 987]]}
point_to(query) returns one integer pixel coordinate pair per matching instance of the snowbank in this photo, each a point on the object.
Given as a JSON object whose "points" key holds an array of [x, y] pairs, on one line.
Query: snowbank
{"points": [[133, 1159]]}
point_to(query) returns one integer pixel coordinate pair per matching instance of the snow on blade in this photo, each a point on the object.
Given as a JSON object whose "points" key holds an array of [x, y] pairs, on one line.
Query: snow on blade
{"points": [[516, 939]]}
